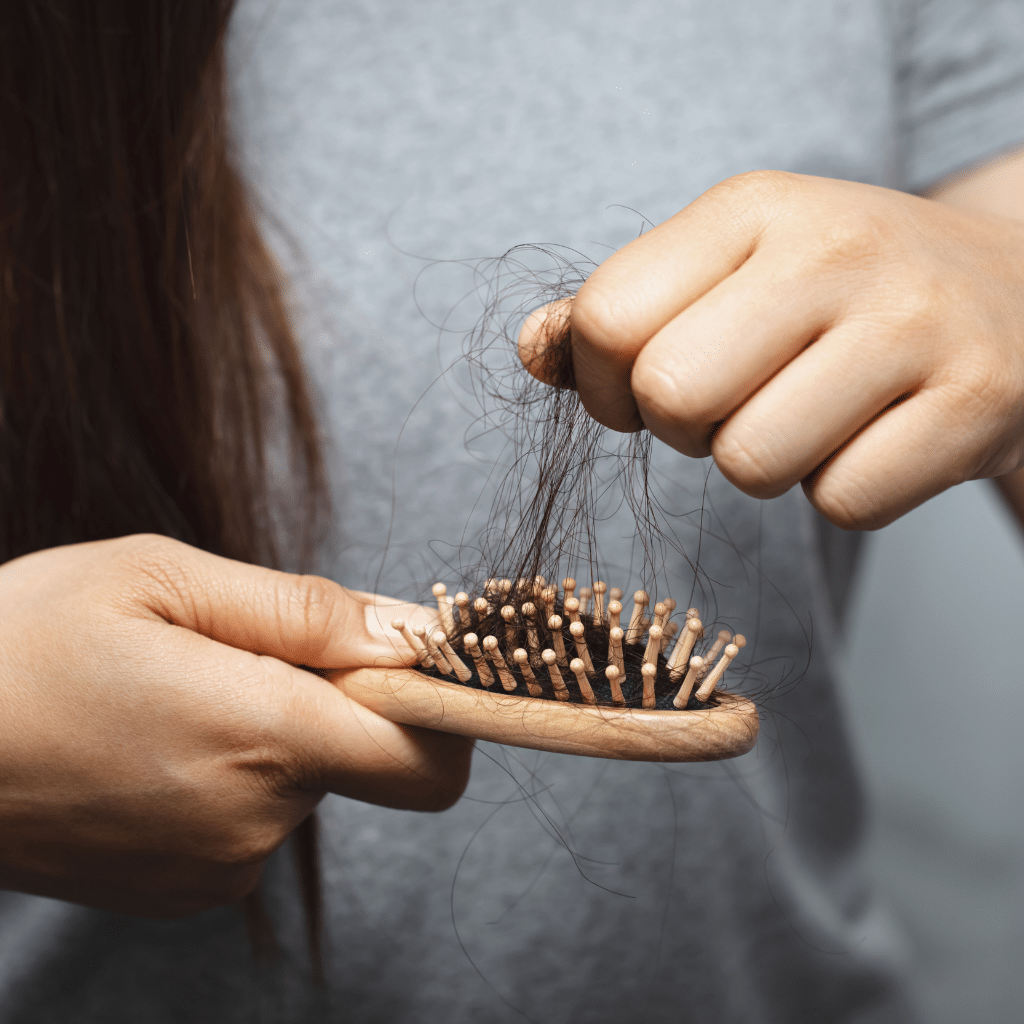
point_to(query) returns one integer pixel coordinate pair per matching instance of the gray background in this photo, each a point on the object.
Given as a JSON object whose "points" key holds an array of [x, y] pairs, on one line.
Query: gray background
{"points": [[932, 679]]}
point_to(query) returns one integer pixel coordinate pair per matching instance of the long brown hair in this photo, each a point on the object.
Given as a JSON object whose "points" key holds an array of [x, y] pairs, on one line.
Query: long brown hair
{"points": [[145, 350], [146, 358]]}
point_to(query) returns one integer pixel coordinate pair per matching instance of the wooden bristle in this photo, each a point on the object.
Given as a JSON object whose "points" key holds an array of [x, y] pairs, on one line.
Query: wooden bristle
{"points": [[459, 667], [715, 675], [635, 632], [649, 671], [516, 629], [529, 611], [679, 660], [472, 644], [615, 638], [420, 632], [555, 625], [723, 638], [653, 646], [435, 652], [612, 675], [415, 646], [508, 613], [578, 632], [490, 646], [522, 659], [550, 659], [614, 611], [682, 697], [444, 609], [660, 614], [579, 670]]}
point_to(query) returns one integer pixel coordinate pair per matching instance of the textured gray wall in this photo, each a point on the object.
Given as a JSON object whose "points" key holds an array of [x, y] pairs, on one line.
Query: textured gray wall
{"points": [[933, 677]]}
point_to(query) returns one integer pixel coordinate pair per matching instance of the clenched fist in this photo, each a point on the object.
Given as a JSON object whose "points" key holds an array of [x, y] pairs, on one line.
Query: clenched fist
{"points": [[157, 742], [864, 342]]}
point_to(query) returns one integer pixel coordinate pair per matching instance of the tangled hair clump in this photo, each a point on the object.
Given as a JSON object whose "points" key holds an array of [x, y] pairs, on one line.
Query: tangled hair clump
{"points": [[568, 470]]}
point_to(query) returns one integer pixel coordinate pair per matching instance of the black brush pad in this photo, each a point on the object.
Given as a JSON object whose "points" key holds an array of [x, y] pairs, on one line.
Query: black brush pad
{"points": [[596, 637]]}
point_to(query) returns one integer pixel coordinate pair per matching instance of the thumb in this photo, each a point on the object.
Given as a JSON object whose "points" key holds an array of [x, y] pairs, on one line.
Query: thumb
{"points": [[302, 620], [340, 746]]}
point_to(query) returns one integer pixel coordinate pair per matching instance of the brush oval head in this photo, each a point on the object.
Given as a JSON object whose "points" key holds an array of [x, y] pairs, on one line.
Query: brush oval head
{"points": [[569, 682]]}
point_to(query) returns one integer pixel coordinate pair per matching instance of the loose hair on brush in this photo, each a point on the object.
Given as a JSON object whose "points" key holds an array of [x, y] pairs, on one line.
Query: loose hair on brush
{"points": [[147, 363], [535, 616]]}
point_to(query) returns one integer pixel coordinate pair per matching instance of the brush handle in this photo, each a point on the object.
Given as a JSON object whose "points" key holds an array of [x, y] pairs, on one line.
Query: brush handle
{"points": [[629, 734]]}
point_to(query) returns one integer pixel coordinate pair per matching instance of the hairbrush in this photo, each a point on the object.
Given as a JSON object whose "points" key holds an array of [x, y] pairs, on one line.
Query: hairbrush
{"points": [[555, 668]]}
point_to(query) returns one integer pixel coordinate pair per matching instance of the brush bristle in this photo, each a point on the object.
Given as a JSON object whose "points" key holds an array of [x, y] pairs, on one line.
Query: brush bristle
{"points": [[543, 641]]}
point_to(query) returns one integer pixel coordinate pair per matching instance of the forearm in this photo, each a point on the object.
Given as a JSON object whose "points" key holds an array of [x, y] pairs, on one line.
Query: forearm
{"points": [[996, 187]]}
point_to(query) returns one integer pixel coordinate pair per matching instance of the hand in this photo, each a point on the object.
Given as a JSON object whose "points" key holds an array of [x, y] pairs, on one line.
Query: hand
{"points": [[864, 342], [156, 742]]}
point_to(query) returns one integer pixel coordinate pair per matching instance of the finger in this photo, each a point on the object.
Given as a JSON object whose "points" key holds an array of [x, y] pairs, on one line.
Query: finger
{"points": [[544, 346], [813, 406], [709, 359], [912, 452], [347, 749], [303, 620], [289, 734], [645, 285]]}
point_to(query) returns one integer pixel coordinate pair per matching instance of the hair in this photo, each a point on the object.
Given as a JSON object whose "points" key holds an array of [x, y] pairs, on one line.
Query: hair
{"points": [[148, 371], [566, 487]]}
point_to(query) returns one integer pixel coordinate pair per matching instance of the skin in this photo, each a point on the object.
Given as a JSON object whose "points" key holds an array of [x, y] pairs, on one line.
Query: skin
{"points": [[862, 342], [157, 742]]}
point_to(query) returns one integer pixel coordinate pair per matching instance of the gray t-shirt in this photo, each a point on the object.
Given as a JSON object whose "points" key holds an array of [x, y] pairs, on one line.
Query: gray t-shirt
{"points": [[397, 142]]}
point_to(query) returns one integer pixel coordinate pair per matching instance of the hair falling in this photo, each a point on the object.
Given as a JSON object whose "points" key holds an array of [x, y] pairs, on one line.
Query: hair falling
{"points": [[567, 471]]}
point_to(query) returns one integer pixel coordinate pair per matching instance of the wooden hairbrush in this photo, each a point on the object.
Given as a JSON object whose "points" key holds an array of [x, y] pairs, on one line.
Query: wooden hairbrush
{"points": [[533, 665]]}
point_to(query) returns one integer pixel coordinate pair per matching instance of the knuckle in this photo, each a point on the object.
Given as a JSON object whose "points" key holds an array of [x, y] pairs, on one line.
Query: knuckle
{"points": [[673, 408], [851, 237], [314, 602], [745, 461], [266, 756], [846, 499], [759, 184], [978, 388], [155, 566], [602, 314], [915, 303]]}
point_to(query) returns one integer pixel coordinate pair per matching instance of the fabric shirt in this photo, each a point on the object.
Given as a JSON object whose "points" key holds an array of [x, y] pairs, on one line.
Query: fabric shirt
{"points": [[398, 147]]}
